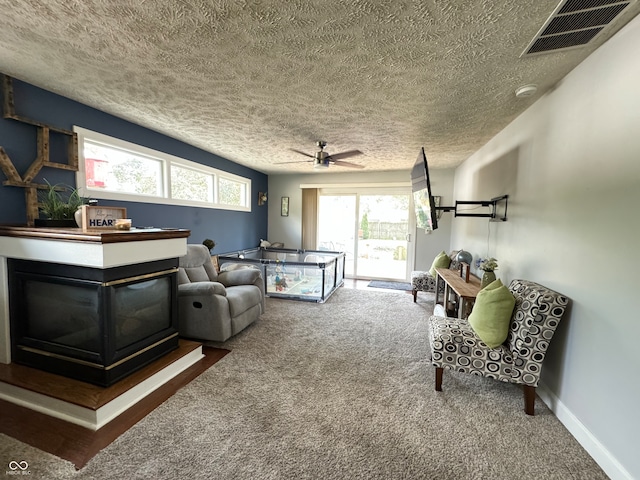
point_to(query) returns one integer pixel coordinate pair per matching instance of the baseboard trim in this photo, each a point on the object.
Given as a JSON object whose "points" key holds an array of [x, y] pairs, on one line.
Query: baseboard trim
{"points": [[581, 433]]}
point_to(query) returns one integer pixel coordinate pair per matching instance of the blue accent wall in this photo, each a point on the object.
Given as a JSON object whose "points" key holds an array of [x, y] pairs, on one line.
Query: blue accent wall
{"points": [[230, 229]]}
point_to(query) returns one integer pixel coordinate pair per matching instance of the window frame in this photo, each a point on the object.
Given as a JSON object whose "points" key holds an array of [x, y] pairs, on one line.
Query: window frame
{"points": [[167, 160]]}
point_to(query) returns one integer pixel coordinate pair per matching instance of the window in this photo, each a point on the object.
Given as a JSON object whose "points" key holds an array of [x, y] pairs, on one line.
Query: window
{"points": [[113, 169], [191, 184], [230, 191], [117, 170]]}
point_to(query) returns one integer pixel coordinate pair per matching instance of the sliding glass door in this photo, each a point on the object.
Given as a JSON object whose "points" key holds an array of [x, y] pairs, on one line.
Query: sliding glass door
{"points": [[372, 229], [336, 227]]}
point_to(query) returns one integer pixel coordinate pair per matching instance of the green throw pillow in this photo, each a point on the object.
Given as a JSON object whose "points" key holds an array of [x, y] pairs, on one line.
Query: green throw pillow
{"points": [[441, 260], [491, 313]]}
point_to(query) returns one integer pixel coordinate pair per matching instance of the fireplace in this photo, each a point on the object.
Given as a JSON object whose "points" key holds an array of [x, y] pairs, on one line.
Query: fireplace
{"points": [[91, 324]]}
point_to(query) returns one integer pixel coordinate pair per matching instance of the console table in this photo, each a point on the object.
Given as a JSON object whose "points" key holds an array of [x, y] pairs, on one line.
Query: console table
{"points": [[465, 291]]}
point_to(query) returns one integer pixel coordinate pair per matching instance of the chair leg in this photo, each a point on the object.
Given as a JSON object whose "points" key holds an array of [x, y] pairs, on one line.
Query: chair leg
{"points": [[439, 371], [415, 296], [529, 399]]}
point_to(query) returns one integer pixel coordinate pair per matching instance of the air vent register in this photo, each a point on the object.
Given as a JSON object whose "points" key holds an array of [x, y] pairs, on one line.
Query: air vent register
{"points": [[575, 23]]}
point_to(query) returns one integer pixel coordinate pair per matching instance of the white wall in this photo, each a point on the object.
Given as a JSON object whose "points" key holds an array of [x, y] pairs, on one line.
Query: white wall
{"points": [[289, 229], [571, 165]]}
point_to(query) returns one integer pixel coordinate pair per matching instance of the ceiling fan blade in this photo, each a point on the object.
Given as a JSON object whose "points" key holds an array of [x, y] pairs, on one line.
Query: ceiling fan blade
{"points": [[295, 161], [347, 154], [301, 153], [340, 163]]}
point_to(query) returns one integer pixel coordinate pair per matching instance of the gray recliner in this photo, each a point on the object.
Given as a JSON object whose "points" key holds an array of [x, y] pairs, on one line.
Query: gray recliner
{"points": [[215, 306]]}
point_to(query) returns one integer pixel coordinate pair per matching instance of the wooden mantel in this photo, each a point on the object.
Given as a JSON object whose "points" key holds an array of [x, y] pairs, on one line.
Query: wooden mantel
{"points": [[94, 248], [97, 236]]}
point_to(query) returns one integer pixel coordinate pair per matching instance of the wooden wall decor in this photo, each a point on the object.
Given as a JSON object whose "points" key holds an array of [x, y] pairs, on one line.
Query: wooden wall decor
{"points": [[43, 156]]}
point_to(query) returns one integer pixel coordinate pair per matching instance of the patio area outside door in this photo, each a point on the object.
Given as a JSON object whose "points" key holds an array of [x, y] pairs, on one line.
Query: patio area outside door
{"points": [[373, 231]]}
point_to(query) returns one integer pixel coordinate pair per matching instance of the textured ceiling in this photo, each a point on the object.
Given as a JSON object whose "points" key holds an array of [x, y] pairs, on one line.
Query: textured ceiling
{"points": [[251, 80]]}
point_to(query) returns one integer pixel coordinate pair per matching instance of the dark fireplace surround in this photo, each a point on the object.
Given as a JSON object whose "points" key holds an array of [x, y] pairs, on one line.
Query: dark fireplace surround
{"points": [[90, 324]]}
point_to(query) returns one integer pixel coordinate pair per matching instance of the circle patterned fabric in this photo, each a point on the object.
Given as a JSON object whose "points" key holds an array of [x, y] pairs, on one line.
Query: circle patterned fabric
{"points": [[422, 281], [537, 313]]}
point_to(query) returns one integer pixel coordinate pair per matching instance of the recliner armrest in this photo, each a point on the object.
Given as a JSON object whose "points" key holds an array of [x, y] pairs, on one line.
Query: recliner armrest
{"points": [[243, 276], [201, 288]]}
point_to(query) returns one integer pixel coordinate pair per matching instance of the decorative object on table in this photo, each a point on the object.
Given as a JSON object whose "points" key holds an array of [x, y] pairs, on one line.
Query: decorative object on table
{"points": [[101, 218], [215, 262], [123, 224], [284, 206], [488, 277], [210, 244], [58, 204], [487, 265], [464, 256], [262, 198], [465, 269], [78, 215]]}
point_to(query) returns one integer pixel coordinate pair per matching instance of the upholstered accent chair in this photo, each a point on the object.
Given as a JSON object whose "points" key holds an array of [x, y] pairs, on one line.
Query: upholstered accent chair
{"points": [[423, 281], [537, 312], [215, 306]]}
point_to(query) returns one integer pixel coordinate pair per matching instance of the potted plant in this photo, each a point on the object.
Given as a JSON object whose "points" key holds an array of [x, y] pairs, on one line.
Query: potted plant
{"points": [[487, 265], [210, 244], [58, 204]]}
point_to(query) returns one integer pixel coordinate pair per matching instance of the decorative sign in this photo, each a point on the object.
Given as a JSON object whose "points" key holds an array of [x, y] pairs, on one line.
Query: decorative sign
{"points": [[94, 218]]}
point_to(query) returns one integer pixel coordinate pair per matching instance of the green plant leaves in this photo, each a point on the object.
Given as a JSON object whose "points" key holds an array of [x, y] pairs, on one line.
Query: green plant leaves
{"points": [[59, 201]]}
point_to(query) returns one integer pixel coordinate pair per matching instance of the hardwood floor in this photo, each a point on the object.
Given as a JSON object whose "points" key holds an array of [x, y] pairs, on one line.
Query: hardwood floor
{"points": [[81, 393], [73, 442]]}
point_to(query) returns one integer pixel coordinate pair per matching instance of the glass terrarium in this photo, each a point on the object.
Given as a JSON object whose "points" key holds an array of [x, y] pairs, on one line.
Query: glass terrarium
{"points": [[311, 275]]}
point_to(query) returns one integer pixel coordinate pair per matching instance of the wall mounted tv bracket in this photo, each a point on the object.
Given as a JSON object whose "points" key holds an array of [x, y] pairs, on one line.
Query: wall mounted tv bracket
{"points": [[498, 206]]}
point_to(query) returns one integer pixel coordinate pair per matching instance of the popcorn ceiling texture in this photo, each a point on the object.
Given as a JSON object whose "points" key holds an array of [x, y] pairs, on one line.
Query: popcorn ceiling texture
{"points": [[250, 80]]}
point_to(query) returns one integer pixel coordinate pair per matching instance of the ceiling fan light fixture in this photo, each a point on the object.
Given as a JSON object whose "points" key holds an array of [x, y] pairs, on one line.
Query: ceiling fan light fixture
{"points": [[322, 159]]}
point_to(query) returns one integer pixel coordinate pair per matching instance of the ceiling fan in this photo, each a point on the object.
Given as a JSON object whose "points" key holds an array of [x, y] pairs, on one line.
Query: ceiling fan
{"points": [[322, 159]]}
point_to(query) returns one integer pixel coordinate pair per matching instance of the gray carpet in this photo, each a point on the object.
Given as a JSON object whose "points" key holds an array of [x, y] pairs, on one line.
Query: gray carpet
{"points": [[341, 390]]}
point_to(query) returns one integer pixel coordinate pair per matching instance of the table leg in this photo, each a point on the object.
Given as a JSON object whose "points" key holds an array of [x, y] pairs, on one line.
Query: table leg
{"points": [[446, 299]]}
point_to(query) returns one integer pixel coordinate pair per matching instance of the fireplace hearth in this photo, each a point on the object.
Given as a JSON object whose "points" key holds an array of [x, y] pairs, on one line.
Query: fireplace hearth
{"points": [[92, 324]]}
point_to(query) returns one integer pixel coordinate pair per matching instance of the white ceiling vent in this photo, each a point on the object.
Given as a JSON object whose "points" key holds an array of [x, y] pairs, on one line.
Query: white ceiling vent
{"points": [[575, 23]]}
